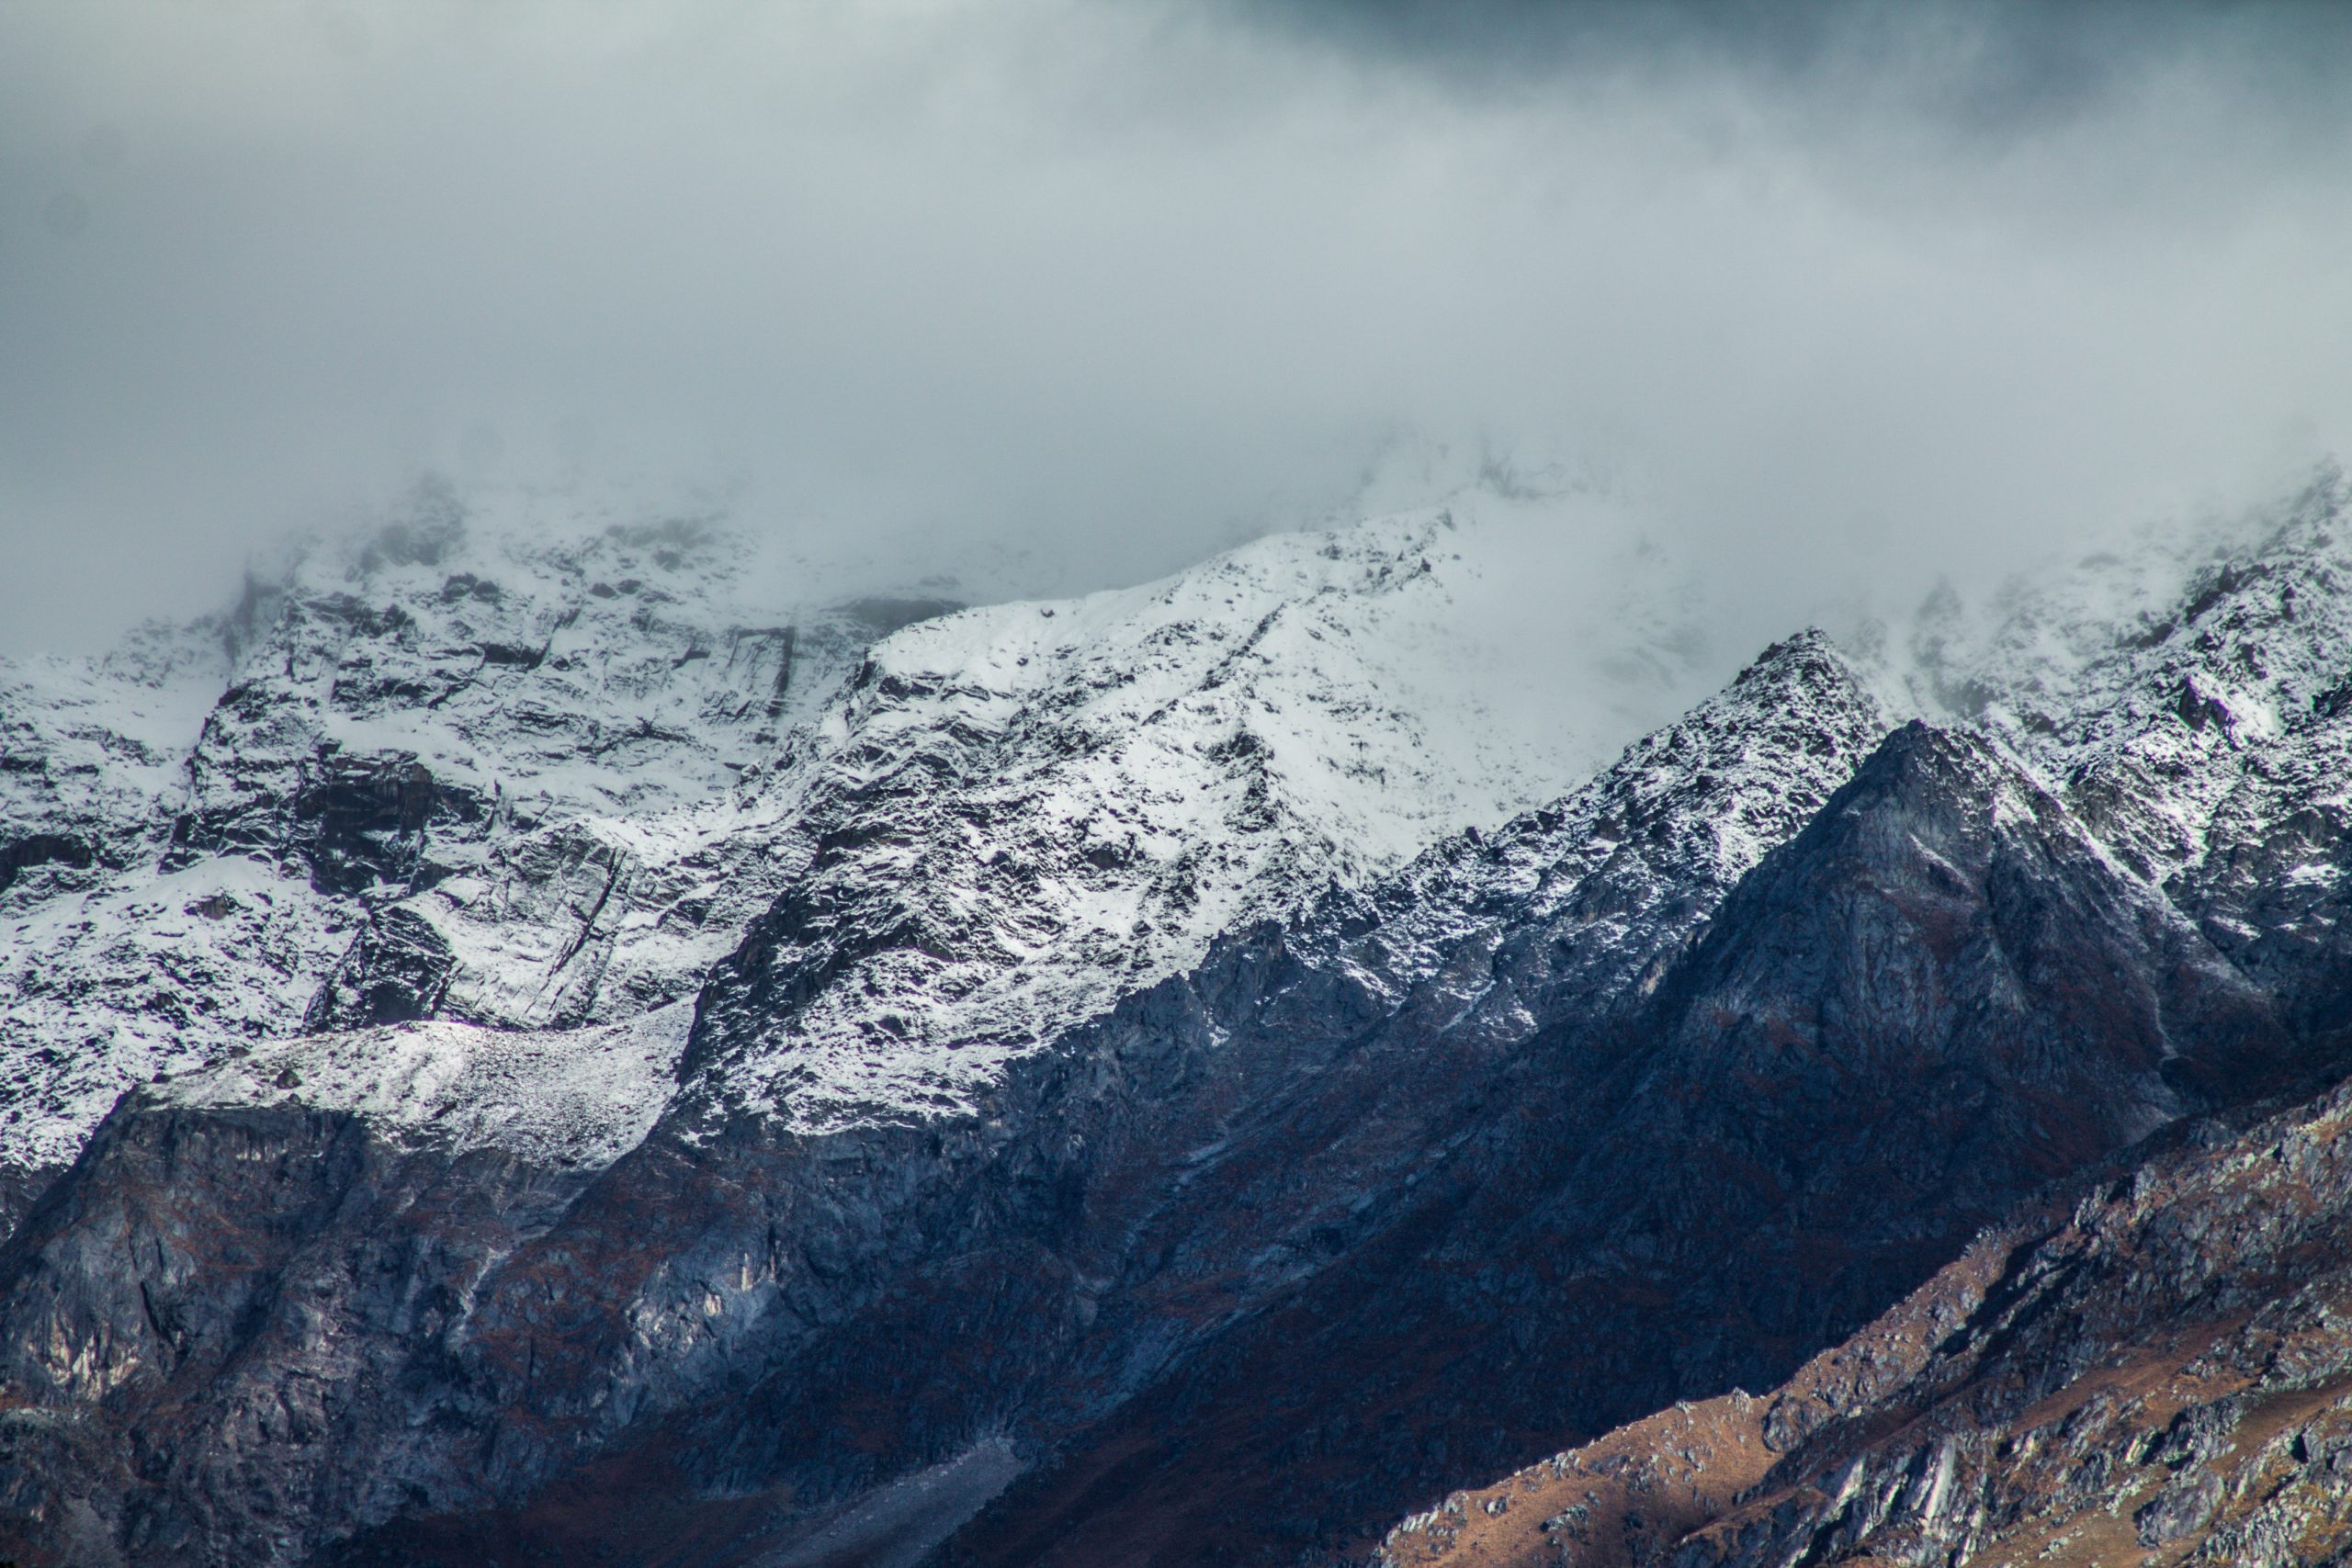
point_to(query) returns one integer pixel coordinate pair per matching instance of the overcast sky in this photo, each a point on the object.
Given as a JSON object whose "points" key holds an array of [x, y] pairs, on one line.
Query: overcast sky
{"points": [[1840, 296]]}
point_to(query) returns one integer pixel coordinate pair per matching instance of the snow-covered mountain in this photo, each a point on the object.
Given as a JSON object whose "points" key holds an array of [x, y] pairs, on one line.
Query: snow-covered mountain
{"points": [[1021, 814], [626, 1056], [486, 770], [225, 832], [2159, 682]]}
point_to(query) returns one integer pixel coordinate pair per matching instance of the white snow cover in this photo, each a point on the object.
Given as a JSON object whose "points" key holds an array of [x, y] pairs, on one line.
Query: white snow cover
{"points": [[2152, 683], [579, 676], [993, 824], [1024, 812], [1081, 794], [563, 1097], [91, 746]]}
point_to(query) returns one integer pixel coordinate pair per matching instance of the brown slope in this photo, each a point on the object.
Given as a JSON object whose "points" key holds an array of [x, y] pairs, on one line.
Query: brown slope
{"points": [[2155, 1369]]}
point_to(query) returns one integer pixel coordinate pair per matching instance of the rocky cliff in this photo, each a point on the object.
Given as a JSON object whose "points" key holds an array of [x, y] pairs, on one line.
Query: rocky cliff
{"points": [[443, 770]]}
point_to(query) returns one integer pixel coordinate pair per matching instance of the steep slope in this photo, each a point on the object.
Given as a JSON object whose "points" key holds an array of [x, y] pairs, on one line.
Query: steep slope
{"points": [[1083, 1018], [2153, 687], [2195, 730], [1116, 744], [91, 753], [1897, 1024], [1979, 992], [524, 771], [1033, 811], [2151, 1367], [2189, 702]]}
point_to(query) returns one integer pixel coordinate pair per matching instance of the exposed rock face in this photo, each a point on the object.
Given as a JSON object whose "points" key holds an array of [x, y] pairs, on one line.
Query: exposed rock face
{"points": [[1886, 1035], [1049, 1112], [2241, 822], [397, 969], [91, 751]]}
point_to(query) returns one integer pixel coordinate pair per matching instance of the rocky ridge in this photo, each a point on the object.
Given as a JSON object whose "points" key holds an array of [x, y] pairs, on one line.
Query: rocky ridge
{"points": [[758, 1303], [459, 772], [1029, 811], [2204, 756]]}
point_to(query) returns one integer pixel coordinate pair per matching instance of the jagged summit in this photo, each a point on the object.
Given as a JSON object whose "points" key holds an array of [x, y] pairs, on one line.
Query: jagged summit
{"points": [[2144, 682], [1027, 811], [1660, 835], [1678, 818]]}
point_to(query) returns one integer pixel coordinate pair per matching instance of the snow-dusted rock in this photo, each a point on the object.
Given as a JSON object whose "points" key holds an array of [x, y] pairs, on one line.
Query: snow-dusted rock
{"points": [[1025, 812], [2148, 682], [541, 774], [211, 829], [575, 1097], [92, 752]]}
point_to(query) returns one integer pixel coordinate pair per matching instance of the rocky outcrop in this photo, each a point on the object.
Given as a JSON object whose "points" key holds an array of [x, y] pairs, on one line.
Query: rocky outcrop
{"points": [[2156, 687], [2149, 1364], [90, 756], [398, 968], [34, 849]]}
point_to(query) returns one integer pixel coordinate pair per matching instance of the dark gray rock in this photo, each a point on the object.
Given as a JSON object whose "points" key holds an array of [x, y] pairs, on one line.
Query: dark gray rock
{"points": [[2181, 1509], [398, 969]]}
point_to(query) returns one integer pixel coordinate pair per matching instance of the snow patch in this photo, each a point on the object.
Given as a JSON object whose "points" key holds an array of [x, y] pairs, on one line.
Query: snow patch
{"points": [[580, 1097]]}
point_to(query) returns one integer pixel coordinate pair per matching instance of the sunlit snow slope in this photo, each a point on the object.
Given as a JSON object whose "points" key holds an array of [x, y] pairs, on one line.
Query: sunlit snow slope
{"points": [[483, 769]]}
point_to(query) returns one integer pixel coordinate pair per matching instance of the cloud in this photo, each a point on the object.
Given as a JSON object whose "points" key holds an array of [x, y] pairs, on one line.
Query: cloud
{"points": [[1838, 297]]}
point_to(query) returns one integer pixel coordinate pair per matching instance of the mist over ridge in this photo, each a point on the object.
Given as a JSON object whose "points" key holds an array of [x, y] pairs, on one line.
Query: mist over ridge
{"points": [[1835, 299]]}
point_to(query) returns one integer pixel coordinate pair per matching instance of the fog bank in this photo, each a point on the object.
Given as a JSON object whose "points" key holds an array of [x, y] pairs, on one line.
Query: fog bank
{"points": [[1835, 299]]}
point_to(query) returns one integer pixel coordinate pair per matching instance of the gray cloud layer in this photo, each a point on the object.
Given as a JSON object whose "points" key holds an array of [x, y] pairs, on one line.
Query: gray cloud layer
{"points": [[1842, 295]]}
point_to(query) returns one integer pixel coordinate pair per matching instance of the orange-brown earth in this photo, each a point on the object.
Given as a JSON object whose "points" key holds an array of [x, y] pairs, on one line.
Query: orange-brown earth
{"points": [[2153, 1369]]}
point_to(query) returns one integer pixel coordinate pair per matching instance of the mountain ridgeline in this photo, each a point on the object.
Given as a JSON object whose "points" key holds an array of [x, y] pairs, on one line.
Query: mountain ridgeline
{"points": [[565, 1063]]}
